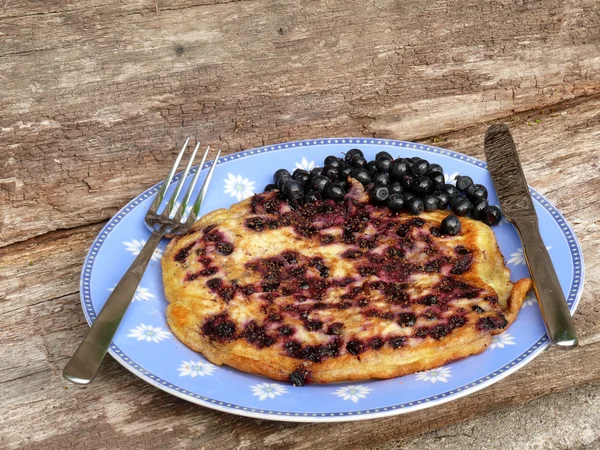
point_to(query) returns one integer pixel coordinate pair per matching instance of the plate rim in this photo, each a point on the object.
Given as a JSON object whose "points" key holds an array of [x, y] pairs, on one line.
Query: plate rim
{"points": [[526, 356]]}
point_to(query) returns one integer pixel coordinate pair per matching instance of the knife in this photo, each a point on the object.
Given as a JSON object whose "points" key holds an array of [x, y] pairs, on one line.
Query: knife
{"points": [[517, 206]]}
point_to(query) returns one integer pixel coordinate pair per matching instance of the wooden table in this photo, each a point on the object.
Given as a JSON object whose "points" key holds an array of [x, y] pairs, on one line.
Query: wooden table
{"points": [[97, 95]]}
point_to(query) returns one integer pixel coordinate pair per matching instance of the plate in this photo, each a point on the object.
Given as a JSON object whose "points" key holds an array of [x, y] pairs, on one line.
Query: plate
{"points": [[145, 345]]}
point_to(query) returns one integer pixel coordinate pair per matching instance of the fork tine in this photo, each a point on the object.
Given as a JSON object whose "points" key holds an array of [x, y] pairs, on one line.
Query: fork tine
{"points": [[163, 189], [169, 208], [190, 189], [196, 209]]}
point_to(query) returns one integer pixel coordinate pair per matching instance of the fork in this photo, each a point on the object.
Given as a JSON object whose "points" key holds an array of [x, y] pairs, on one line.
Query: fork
{"points": [[85, 362]]}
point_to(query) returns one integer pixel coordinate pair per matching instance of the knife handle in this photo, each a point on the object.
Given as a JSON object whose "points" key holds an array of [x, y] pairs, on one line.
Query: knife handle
{"points": [[551, 299]]}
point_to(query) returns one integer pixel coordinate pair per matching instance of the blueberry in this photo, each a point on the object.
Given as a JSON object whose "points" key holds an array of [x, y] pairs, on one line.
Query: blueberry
{"points": [[331, 172], [451, 190], [408, 181], [478, 192], [382, 178], [451, 225], [319, 183], [420, 168], [478, 208], [343, 184], [491, 215], [292, 190], [395, 202], [334, 191], [430, 203], [395, 188], [414, 159], [415, 205], [372, 168], [345, 171], [406, 196], [461, 206], [332, 161], [469, 191], [281, 173], [436, 168], [443, 198], [379, 194], [399, 168], [384, 155], [301, 176], [423, 186], [315, 171], [359, 161], [352, 153], [311, 196], [270, 187], [362, 175], [463, 182], [282, 180], [455, 199], [298, 172], [438, 180], [383, 164]]}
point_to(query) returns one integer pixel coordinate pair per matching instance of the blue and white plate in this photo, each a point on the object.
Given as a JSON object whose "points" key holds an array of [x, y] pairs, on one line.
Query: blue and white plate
{"points": [[145, 345]]}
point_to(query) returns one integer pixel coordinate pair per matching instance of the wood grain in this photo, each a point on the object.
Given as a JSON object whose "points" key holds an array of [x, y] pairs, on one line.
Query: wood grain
{"points": [[96, 95], [41, 319]]}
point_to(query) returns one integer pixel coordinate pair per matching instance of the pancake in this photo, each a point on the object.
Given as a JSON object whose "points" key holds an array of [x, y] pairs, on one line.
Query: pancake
{"points": [[327, 291]]}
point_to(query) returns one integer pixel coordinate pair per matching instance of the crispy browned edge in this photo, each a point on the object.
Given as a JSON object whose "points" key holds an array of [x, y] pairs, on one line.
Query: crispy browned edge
{"points": [[379, 364]]}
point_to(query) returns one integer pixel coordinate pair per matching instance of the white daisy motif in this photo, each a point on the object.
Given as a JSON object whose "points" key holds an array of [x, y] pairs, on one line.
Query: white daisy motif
{"points": [[268, 390], [305, 164], [530, 300], [518, 257], [239, 187], [450, 178], [135, 247], [148, 333], [501, 340], [141, 294], [434, 375], [196, 369], [354, 393]]}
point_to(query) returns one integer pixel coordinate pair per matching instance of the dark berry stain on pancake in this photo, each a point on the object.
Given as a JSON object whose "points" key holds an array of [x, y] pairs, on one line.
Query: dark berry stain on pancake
{"points": [[385, 252]]}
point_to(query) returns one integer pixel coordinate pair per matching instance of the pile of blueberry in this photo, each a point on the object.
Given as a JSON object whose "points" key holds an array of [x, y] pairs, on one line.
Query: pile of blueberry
{"points": [[410, 184]]}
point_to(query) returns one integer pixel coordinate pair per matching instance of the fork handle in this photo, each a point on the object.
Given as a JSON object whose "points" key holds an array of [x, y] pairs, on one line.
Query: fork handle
{"points": [[85, 362]]}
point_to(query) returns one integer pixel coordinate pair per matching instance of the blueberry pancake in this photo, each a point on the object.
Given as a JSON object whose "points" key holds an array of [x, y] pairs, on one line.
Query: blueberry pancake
{"points": [[331, 291]]}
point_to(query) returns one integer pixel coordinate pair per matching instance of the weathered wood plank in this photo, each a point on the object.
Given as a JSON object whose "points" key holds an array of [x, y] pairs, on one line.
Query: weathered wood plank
{"points": [[97, 94], [42, 324], [121, 411]]}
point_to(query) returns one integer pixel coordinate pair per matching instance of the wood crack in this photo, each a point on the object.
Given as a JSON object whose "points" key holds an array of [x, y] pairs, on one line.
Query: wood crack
{"points": [[38, 303]]}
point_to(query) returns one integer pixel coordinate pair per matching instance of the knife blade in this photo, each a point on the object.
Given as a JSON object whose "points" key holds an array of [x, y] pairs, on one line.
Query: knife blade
{"points": [[517, 206]]}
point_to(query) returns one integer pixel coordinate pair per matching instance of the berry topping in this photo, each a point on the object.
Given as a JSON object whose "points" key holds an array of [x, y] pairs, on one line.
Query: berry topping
{"points": [[420, 168], [395, 202], [415, 205], [382, 179], [463, 182], [352, 153], [333, 161], [379, 194], [491, 215], [383, 164], [362, 175], [399, 168], [451, 225]]}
